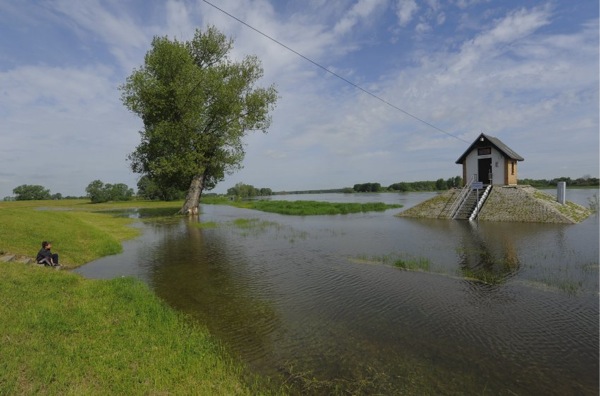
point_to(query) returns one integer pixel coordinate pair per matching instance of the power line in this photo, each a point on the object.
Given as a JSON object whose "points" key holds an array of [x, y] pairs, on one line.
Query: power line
{"points": [[335, 74]]}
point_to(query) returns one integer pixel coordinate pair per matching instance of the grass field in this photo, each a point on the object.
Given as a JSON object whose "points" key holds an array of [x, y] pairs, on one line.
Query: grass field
{"points": [[80, 232], [61, 334]]}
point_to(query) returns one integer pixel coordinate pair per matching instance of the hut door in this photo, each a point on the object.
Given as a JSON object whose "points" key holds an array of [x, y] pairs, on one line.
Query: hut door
{"points": [[484, 169]]}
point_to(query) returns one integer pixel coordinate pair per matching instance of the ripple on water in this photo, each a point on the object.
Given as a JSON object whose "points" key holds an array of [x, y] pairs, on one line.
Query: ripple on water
{"points": [[285, 294]]}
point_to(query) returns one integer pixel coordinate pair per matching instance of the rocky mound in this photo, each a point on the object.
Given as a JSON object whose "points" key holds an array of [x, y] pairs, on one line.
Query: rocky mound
{"points": [[507, 203]]}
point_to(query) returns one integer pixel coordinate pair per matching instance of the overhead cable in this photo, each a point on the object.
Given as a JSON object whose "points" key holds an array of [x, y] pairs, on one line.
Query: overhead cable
{"points": [[334, 73]]}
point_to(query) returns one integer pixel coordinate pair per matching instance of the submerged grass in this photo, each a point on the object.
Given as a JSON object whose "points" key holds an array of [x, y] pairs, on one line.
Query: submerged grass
{"points": [[206, 224], [254, 224], [303, 208], [414, 264], [404, 262], [482, 275]]}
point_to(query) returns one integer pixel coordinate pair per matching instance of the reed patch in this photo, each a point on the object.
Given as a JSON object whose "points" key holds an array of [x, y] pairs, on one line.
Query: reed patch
{"points": [[401, 261], [304, 208]]}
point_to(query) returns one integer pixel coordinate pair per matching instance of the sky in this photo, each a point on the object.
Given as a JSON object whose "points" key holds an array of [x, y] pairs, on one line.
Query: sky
{"points": [[439, 73]]}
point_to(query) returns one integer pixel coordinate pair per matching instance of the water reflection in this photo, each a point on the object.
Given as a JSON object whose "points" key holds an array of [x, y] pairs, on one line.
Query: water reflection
{"points": [[199, 275], [505, 308], [491, 261]]}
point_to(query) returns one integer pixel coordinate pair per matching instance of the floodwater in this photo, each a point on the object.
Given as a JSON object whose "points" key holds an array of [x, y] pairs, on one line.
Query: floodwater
{"points": [[316, 302]]}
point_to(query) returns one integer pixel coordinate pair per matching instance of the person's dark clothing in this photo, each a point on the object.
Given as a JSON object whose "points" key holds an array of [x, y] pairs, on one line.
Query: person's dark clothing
{"points": [[46, 257]]}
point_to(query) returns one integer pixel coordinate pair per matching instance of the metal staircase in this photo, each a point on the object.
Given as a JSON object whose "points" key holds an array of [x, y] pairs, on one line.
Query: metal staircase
{"points": [[462, 196], [467, 206], [480, 203]]}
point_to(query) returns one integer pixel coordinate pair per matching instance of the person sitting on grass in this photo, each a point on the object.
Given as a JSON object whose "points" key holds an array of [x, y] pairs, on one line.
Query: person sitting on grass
{"points": [[45, 256]]}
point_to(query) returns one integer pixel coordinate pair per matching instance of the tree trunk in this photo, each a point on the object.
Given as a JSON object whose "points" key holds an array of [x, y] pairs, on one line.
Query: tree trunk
{"points": [[192, 200]]}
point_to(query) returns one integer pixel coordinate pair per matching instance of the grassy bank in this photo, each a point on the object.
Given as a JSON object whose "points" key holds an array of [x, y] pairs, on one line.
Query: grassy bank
{"points": [[80, 231], [63, 334]]}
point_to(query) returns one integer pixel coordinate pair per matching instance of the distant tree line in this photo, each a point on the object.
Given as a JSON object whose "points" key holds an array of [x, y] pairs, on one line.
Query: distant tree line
{"points": [[584, 181], [437, 185], [242, 190], [97, 191], [321, 191]]}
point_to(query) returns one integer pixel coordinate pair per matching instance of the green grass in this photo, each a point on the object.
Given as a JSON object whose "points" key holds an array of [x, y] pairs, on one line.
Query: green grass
{"points": [[414, 264], [404, 262], [206, 224], [484, 276], [80, 232], [303, 208], [62, 334], [77, 237], [254, 224]]}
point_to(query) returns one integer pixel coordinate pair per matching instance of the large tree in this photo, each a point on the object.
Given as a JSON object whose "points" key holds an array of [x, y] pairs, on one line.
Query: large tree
{"points": [[196, 105], [27, 192]]}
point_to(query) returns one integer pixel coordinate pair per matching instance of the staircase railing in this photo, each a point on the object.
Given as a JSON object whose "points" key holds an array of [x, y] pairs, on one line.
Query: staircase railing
{"points": [[480, 202], [464, 193]]}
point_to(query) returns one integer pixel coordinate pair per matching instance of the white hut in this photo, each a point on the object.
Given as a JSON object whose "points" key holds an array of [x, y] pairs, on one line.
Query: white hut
{"points": [[490, 161]]}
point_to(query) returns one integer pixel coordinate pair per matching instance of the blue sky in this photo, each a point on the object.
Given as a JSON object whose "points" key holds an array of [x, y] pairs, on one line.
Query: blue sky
{"points": [[525, 72]]}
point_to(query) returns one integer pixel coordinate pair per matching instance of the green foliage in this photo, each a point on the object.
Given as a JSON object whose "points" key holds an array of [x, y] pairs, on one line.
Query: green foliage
{"points": [[148, 189], [241, 190], [196, 104], [99, 192], [28, 192], [367, 187], [438, 185], [151, 190], [584, 181], [454, 182]]}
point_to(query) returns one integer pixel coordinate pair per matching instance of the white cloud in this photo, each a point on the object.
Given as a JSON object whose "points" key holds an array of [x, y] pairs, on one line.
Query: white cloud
{"points": [[513, 77], [65, 128], [422, 28], [441, 18], [361, 11], [125, 39], [405, 10]]}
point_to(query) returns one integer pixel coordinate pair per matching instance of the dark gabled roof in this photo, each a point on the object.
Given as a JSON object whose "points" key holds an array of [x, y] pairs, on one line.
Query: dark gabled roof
{"points": [[494, 142]]}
